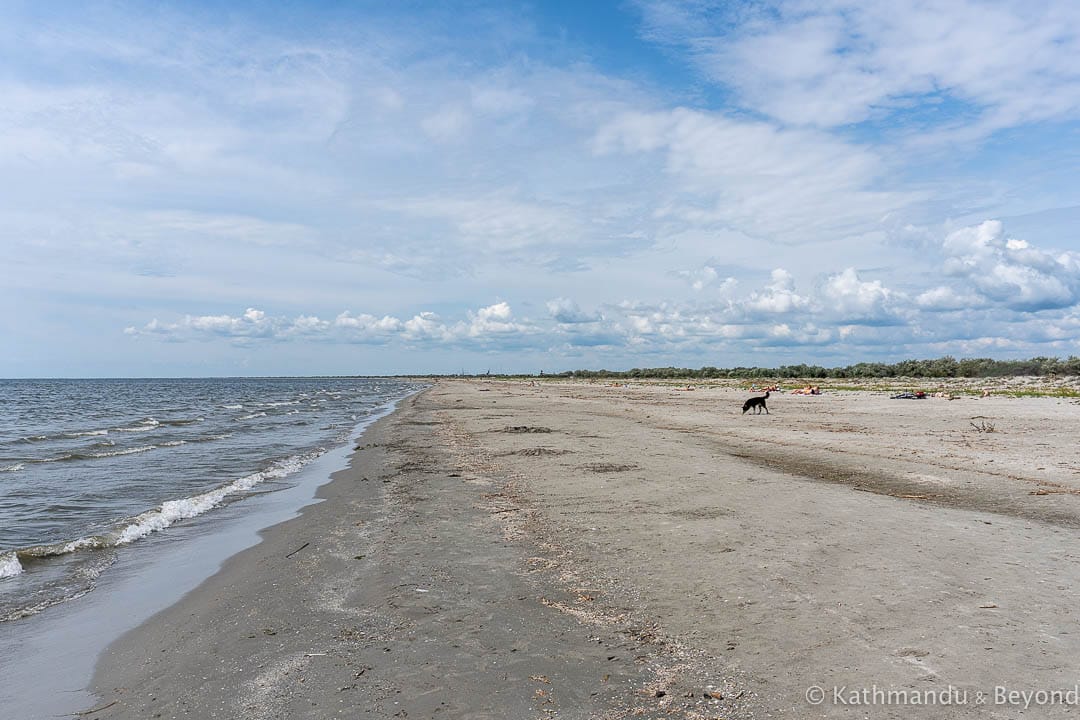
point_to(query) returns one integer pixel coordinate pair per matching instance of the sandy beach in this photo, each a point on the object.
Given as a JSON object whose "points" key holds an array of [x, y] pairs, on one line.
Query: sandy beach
{"points": [[517, 550]]}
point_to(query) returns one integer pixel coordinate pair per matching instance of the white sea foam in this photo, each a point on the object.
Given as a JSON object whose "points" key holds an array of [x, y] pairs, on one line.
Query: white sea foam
{"points": [[279, 404], [233, 407], [61, 548], [12, 468], [174, 443], [86, 433], [127, 451], [252, 415], [9, 565], [171, 511], [86, 542], [182, 421], [143, 426]]}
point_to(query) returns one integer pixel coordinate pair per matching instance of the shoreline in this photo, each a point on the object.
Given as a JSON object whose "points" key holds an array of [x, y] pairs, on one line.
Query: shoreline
{"points": [[592, 551], [394, 589], [52, 654]]}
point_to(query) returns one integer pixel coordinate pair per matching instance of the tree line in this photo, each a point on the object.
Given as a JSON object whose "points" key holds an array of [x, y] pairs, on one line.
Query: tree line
{"points": [[944, 367]]}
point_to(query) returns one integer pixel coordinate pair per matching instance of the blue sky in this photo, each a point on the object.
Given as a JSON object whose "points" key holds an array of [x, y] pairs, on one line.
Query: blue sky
{"points": [[323, 188]]}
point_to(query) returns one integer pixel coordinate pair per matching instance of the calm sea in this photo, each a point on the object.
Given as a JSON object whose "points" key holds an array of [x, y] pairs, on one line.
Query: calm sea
{"points": [[88, 467]]}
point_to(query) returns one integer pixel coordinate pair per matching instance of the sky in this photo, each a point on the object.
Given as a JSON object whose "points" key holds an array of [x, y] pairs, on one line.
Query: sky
{"points": [[313, 188]]}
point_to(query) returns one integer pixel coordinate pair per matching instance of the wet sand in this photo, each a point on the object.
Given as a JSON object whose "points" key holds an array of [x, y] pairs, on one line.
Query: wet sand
{"points": [[505, 550]]}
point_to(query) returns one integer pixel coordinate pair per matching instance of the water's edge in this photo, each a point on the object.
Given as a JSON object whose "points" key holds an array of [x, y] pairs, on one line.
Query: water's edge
{"points": [[48, 661]]}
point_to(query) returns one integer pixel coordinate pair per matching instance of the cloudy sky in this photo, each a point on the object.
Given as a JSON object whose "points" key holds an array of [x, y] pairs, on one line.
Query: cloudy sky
{"points": [[372, 187]]}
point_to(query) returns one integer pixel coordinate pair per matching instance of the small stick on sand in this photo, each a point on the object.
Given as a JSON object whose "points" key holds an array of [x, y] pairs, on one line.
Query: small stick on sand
{"points": [[95, 710], [297, 550]]}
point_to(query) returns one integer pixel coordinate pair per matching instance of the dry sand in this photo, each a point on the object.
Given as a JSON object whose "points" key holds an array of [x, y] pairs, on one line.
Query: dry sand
{"points": [[505, 550]]}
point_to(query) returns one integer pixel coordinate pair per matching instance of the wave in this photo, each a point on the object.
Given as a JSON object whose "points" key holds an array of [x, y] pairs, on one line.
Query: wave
{"points": [[180, 422], [171, 511], [233, 407], [10, 565], [95, 456], [84, 433], [37, 577], [127, 451], [64, 435], [145, 425], [168, 513], [85, 580], [280, 404], [37, 552], [142, 426], [211, 438]]}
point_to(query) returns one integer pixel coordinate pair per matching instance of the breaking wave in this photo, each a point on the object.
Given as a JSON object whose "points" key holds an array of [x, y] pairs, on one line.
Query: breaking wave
{"points": [[10, 565], [142, 426], [171, 511], [94, 456], [84, 433], [159, 518]]}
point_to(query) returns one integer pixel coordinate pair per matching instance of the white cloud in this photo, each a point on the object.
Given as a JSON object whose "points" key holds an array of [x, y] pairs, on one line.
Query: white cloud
{"points": [[493, 321], [425, 326], [367, 328], [943, 298], [846, 61], [1010, 272], [707, 276], [778, 297], [566, 311], [225, 162], [849, 297], [797, 186], [251, 324]]}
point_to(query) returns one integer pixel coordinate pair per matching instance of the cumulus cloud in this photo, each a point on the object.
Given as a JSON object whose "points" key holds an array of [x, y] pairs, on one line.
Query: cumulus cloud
{"points": [[425, 326], [251, 324], [1010, 272], [992, 291], [944, 298], [850, 297], [708, 276], [492, 320], [779, 296], [567, 312], [483, 324]]}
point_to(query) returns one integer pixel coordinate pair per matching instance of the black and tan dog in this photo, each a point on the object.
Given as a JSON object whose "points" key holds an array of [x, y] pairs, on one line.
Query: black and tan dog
{"points": [[758, 403]]}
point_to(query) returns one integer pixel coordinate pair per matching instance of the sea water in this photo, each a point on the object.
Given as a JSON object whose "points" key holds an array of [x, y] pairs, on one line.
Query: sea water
{"points": [[90, 469]]}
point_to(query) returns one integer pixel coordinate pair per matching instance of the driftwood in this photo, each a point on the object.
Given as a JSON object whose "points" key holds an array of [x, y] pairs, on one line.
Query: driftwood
{"points": [[297, 550], [84, 713]]}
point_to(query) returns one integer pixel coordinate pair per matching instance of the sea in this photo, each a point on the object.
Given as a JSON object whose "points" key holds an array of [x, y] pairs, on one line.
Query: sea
{"points": [[92, 471]]}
